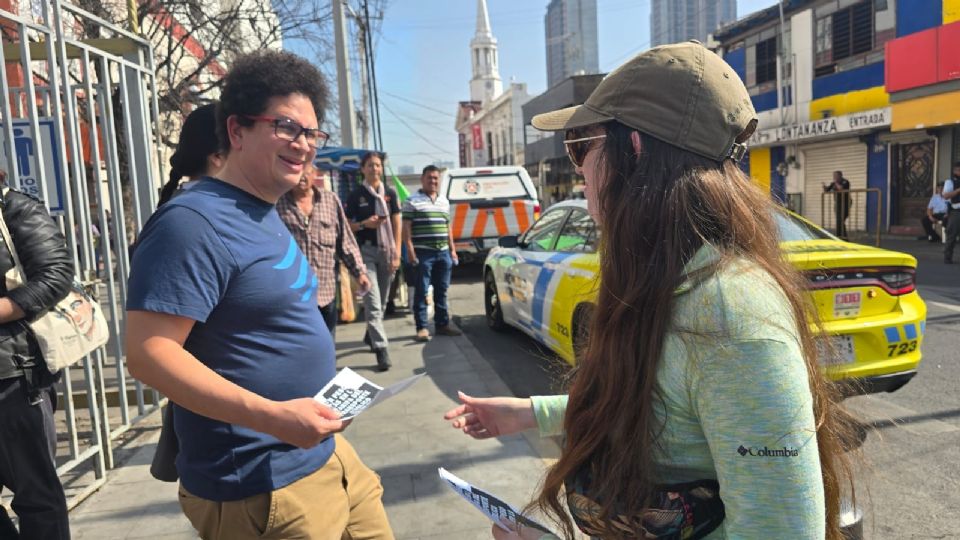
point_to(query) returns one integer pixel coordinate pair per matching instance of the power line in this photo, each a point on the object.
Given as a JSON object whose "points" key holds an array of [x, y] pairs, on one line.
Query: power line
{"points": [[420, 121], [428, 154], [510, 16], [415, 132], [412, 102]]}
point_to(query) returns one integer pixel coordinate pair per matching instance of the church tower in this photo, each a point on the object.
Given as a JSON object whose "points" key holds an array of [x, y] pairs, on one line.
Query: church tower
{"points": [[485, 84]]}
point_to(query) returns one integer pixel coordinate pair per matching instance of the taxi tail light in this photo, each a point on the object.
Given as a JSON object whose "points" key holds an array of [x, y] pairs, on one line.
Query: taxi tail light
{"points": [[898, 281], [536, 211]]}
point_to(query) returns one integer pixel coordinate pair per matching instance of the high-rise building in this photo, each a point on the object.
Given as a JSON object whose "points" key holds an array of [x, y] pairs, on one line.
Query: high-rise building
{"points": [[679, 20], [571, 28]]}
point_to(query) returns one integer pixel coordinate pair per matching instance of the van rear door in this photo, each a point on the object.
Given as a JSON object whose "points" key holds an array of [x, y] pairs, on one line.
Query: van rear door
{"points": [[490, 205]]}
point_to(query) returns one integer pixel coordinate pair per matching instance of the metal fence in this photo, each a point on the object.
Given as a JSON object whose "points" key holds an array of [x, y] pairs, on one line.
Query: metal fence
{"points": [[80, 130], [860, 225]]}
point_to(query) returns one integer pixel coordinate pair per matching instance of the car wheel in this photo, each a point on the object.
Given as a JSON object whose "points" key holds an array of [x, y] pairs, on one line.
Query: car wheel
{"points": [[581, 328], [491, 303]]}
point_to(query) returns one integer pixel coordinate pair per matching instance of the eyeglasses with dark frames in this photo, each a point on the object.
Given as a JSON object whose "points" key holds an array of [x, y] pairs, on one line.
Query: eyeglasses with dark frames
{"points": [[289, 130], [577, 147]]}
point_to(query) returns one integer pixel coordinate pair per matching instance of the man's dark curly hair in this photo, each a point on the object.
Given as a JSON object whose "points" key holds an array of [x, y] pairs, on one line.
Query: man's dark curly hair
{"points": [[259, 76]]}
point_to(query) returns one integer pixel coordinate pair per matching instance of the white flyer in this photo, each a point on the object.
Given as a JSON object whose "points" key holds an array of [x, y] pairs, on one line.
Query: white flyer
{"points": [[350, 393], [496, 510]]}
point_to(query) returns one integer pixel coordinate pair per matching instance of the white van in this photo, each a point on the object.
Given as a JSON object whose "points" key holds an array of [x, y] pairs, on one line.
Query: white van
{"points": [[487, 203]]}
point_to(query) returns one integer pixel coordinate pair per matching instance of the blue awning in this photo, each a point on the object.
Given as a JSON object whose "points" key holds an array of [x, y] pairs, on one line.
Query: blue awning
{"points": [[339, 159]]}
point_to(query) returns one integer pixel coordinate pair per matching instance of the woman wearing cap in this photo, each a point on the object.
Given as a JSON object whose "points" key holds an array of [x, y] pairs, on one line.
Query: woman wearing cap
{"points": [[700, 375]]}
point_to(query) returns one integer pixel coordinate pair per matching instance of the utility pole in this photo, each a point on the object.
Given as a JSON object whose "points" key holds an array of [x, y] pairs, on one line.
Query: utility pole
{"points": [[369, 119], [364, 86], [348, 125], [374, 94]]}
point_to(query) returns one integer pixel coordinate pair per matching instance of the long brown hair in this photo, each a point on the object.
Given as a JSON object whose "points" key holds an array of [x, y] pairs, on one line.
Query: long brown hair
{"points": [[658, 209]]}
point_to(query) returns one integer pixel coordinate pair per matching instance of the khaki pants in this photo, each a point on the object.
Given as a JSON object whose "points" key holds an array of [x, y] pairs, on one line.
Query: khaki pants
{"points": [[340, 501]]}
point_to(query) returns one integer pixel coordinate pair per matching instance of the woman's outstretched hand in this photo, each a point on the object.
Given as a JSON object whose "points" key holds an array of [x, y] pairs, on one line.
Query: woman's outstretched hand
{"points": [[482, 418]]}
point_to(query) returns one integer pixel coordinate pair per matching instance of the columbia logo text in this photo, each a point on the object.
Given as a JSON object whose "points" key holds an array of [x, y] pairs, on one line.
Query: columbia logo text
{"points": [[768, 452]]}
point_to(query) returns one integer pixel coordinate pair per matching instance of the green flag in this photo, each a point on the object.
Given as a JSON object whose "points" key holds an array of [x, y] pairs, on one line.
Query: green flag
{"points": [[402, 192]]}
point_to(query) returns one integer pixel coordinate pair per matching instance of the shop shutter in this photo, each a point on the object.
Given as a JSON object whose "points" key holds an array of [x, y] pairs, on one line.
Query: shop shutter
{"points": [[819, 162]]}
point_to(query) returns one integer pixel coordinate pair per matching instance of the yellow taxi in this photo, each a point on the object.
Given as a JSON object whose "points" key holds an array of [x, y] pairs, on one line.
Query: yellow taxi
{"points": [[544, 281]]}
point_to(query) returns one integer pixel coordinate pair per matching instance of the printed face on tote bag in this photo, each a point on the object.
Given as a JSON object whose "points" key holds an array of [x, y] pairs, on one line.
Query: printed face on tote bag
{"points": [[79, 307]]}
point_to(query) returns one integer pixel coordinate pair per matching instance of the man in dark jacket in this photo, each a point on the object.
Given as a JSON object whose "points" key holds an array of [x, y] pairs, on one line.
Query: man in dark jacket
{"points": [[28, 438], [841, 203]]}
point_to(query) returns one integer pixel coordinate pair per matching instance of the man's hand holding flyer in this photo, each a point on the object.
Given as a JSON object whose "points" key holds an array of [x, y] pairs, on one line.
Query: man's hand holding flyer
{"points": [[350, 394]]}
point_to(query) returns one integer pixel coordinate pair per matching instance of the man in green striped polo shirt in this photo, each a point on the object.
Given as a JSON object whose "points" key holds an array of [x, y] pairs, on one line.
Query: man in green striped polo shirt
{"points": [[430, 247]]}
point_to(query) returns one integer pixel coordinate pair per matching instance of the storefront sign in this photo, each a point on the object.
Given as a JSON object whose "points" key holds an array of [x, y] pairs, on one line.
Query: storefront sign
{"points": [[463, 150], [826, 127]]}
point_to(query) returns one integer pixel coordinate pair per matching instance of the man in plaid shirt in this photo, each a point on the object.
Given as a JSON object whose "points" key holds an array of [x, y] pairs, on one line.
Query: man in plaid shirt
{"points": [[317, 222]]}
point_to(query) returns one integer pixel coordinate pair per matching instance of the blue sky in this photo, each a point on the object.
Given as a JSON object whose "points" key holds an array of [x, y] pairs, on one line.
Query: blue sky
{"points": [[423, 62]]}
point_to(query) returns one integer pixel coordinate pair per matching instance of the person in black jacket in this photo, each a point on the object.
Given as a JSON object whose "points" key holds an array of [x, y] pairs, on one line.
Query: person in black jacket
{"points": [[841, 203], [28, 438]]}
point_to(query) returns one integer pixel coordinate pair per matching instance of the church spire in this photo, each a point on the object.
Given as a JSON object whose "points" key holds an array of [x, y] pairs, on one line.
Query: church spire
{"points": [[485, 85], [483, 19]]}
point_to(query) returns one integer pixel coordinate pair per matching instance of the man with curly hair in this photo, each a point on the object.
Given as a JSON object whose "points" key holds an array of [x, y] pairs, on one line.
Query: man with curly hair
{"points": [[221, 318]]}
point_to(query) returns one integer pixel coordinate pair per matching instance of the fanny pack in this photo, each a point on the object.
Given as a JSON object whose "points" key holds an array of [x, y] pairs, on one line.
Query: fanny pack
{"points": [[686, 511]]}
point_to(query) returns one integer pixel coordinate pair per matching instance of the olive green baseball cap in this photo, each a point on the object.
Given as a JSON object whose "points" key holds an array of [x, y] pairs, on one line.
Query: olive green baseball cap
{"points": [[683, 94]]}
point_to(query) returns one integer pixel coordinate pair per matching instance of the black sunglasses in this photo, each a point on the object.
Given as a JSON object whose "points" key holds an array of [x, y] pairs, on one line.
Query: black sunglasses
{"points": [[577, 146]]}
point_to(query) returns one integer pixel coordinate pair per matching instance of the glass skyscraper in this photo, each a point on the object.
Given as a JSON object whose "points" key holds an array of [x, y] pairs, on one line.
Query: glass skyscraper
{"points": [[679, 20], [571, 28]]}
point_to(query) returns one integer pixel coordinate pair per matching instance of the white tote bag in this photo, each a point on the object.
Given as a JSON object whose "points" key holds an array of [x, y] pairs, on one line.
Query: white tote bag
{"points": [[71, 329]]}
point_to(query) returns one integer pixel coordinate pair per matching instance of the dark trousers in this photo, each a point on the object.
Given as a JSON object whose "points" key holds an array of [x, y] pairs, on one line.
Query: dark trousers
{"points": [[928, 225], [433, 268], [28, 443], [953, 230], [329, 313], [840, 213]]}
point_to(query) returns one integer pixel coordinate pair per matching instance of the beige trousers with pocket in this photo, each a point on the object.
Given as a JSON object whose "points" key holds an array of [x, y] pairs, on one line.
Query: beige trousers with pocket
{"points": [[340, 501]]}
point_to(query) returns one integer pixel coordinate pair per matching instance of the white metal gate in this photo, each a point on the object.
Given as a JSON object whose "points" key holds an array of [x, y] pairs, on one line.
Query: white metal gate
{"points": [[80, 131]]}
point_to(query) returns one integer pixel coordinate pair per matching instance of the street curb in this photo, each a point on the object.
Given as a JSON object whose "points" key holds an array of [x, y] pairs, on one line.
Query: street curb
{"points": [[547, 448]]}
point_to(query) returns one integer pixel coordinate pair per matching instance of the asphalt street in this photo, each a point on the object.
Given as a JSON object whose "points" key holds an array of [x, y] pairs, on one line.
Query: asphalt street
{"points": [[908, 483]]}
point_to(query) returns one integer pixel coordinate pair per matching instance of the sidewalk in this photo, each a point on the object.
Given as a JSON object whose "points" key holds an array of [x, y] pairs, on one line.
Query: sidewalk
{"points": [[404, 440]]}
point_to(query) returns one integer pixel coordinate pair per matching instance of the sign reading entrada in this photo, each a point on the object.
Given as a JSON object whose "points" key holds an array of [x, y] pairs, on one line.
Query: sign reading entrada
{"points": [[835, 125]]}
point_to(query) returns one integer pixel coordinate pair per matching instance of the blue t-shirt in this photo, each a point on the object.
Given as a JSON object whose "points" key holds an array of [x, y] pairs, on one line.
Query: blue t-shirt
{"points": [[222, 257]]}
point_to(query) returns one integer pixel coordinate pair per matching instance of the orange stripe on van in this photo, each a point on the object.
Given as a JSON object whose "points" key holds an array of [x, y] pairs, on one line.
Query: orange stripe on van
{"points": [[520, 209], [459, 218], [501, 220], [480, 224]]}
